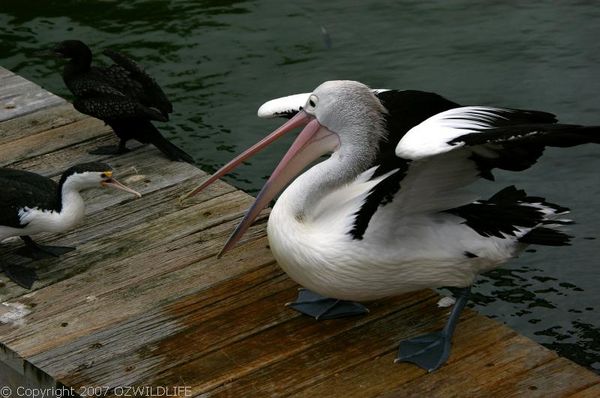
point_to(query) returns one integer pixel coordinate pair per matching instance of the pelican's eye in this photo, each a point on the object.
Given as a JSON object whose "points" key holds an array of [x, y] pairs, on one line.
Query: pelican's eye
{"points": [[312, 100]]}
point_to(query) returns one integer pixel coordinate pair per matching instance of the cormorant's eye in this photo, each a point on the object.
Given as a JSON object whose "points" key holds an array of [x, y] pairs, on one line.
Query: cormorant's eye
{"points": [[312, 101], [103, 175]]}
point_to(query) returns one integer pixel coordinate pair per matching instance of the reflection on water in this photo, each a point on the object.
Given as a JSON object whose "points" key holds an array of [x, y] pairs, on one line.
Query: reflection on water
{"points": [[530, 295], [219, 60]]}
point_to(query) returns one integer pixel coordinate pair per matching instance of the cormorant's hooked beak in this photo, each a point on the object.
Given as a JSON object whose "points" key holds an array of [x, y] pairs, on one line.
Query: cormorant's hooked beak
{"points": [[314, 141], [109, 181], [54, 53]]}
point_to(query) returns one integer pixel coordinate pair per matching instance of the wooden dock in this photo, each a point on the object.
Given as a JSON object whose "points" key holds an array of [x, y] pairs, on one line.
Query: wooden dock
{"points": [[144, 301]]}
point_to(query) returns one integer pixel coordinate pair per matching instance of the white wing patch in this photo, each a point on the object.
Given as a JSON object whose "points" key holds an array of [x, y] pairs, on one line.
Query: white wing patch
{"points": [[26, 214], [431, 137]]}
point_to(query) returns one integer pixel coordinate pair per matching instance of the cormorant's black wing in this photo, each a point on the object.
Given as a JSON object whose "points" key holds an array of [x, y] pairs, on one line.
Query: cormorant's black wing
{"points": [[96, 95], [112, 107], [24, 189], [131, 78], [92, 84]]}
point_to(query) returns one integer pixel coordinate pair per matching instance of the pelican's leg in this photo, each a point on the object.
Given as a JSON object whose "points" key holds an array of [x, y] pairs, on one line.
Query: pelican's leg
{"points": [[22, 276], [319, 307], [430, 351], [37, 251]]}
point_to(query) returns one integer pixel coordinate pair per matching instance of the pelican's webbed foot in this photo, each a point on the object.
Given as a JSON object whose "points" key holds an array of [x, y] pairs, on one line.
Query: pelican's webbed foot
{"points": [[431, 350], [319, 307]]}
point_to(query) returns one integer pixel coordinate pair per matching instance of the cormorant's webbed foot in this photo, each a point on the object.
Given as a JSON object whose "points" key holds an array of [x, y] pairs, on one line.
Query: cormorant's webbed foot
{"points": [[319, 307], [37, 252], [109, 150], [431, 350], [22, 276]]}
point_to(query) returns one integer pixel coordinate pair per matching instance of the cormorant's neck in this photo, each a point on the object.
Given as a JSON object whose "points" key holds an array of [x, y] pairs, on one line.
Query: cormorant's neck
{"points": [[71, 204], [78, 64], [67, 194]]}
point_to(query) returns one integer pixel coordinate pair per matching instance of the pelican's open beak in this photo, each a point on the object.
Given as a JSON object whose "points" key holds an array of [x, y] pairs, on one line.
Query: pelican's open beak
{"points": [[109, 181], [314, 141]]}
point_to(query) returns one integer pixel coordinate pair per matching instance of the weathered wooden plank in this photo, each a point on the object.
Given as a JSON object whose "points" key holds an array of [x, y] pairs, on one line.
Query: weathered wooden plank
{"points": [[51, 140], [507, 361], [271, 362], [5, 72], [127, 344], [19, 96], [54, 163], [141, 157], [378, 374], [99, 313], [209, 328], [11, 378], [39, 121], [213, 358], [590, 392], [132, 283], [16, 372], [126, 292], [557, 378]]}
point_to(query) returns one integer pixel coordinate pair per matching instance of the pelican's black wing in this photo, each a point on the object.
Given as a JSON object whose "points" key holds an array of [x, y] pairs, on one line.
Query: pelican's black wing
{"points": [[451, 148], [405, 110]]}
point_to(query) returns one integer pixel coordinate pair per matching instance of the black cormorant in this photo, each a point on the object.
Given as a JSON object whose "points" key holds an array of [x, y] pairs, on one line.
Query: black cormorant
{"points": [[31, 204], [122, 95]]}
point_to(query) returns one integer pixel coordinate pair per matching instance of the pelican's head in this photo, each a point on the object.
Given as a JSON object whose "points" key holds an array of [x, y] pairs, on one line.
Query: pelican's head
{"points": [[343, 105], [337, 117]]}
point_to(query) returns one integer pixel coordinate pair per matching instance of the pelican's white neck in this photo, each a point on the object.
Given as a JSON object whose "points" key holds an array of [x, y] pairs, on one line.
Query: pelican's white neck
{"points": [[307, 190]]}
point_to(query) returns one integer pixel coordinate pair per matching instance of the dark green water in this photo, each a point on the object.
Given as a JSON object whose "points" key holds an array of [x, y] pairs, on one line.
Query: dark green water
{"points": [[219, 60]]}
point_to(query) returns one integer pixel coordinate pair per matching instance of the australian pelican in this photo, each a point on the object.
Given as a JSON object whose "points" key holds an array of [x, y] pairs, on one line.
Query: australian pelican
{"points": [[388, 212]]}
